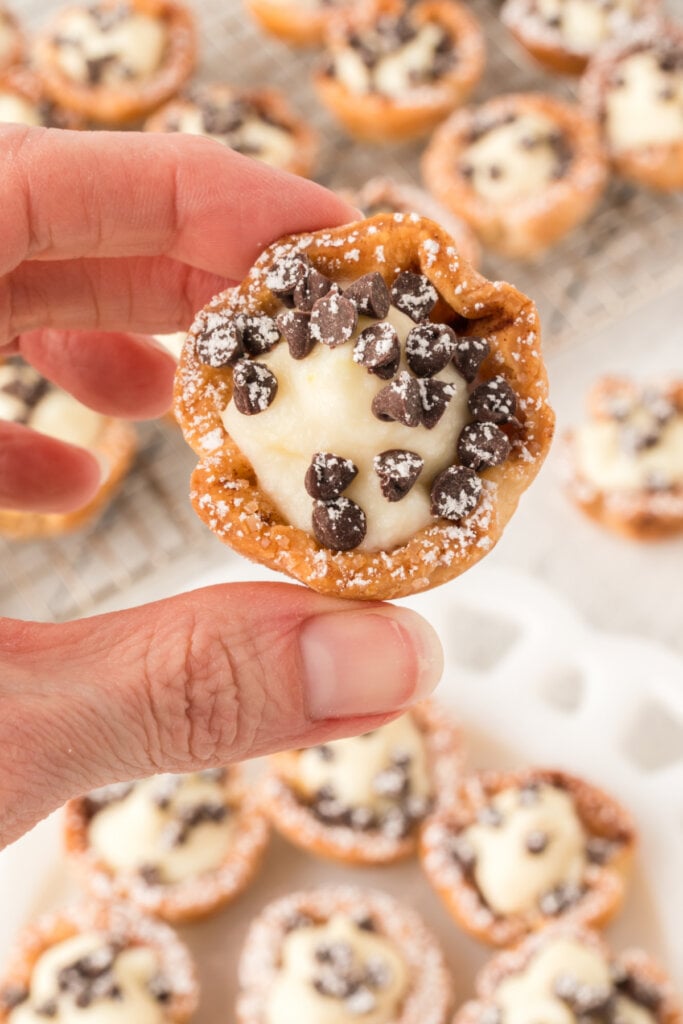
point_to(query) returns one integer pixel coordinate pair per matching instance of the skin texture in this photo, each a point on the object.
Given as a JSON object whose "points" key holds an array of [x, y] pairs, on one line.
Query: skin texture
{"points": [[90, 263]]}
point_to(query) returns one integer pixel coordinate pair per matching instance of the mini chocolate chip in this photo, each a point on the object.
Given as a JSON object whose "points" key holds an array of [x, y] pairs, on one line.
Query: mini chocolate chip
{"points": [[560, 898], [13, 995], [455, 493], [328, 475], [360, 1002], [298, 920], [370, 295], [324, 752], [254, 387], [378, 350], [537, 841], [364, 922], [160, 987], [397, 470], [434, 396], [482, 446], [48, 1009], [362, 819], [220, 343], [491, 816], [286, 273], [493, 401], [469, 355], [399, 401], [311, 287], [462, 851], [96, 66], [642, 991], [150, 874], [414, 295], [467, 171], [430, 348], [391, 782], [333, 320], [599, 850], [339, 524], [395, 823], [583, 999], [529, 794], [260, 334], [294, 324]]}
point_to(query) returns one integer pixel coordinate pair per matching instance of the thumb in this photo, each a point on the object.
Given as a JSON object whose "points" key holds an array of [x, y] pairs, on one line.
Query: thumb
{"points": [[210, 677]]}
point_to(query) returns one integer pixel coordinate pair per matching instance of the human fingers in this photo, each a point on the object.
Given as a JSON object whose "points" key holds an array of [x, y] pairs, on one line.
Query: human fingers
{"points": [[140, 294], [207, 678], [40, 474], [72, 194]]}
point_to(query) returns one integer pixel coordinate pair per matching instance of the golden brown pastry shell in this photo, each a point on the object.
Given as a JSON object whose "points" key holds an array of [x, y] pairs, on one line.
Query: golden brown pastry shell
{"points": [[295, 820], [17, 50], [25, 83], [224, 489], [655, 166], [127, 101], [640, 515], [291, 22], [523, 229], [374, 117], [430, 996], [600, 814], [122, 920], [184, 901], [513, 961], [271, 102]]}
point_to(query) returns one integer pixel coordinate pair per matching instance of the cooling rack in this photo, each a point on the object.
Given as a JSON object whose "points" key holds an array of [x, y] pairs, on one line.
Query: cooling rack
{"points": [[630, 251]]}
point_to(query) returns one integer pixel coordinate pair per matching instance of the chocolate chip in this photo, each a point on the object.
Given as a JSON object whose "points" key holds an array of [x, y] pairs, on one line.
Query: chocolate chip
{"points": [[254, 387], [414, 295], [328, 475], [378, 350], [395, 824], [397, 470], [642, 991], [286, 273], [298, 920], [360, 1002], [455, 493], [311, 287], [490, 816], [364, 922], [434, 396], [583, 999], [400, 401], [220, 343], [333, 320], [600, 850], [430, 348], [462, 851], [339, 525], [260, 334], [362, 818], [560, 898], [530, 794], [391, 782], [494, 401], [48, 1009], [13, 995], [482, 446], [96, 66], [98, 799], [537, 841], [160, 987], [294, 325], [150, 874], [369, 295], [469, 355], [324, 752]]}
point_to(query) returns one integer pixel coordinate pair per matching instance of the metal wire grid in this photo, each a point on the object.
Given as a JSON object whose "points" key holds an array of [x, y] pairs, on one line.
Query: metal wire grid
{"points": [[631, 250]]}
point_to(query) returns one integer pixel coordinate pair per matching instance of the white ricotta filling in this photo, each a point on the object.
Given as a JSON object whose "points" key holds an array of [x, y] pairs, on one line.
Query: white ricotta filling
{"points": [[136, 44], [323, 404], [510, 878], [14, 109]]}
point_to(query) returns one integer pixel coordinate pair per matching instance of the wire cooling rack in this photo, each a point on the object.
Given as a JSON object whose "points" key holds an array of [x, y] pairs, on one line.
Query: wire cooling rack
{"points": [[630, 251]]}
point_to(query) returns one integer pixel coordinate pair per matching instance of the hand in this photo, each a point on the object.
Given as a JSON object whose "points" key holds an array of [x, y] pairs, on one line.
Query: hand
{"points": [[105, 233]]}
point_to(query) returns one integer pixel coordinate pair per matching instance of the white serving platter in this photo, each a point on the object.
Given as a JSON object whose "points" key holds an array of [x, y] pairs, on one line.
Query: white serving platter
{"points": [[531, 683]]}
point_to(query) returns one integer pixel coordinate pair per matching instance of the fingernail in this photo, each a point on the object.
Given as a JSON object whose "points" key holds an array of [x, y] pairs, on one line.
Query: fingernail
{"points": [[368, 662]]}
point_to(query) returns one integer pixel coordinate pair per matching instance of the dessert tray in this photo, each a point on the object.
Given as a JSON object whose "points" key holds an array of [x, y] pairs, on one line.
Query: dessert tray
{"points": [[531, 683]]}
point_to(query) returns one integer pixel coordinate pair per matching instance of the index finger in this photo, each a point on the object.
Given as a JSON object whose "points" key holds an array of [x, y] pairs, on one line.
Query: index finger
{"points": [[74, 194]]}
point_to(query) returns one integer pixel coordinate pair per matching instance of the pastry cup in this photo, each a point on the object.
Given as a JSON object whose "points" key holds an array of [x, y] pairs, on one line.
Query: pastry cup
{"points": [[292, 21], [117, 446], [602, 817], [525, 228], [14, 51], [125, 102], [224, 489], [429, 996], [547, 44], [191, 898], [297, 822], [658, 166], [272, 104], [125, 925], [26, 85], [643, 515], [636, 963], [384, 195], [374, 117]]}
